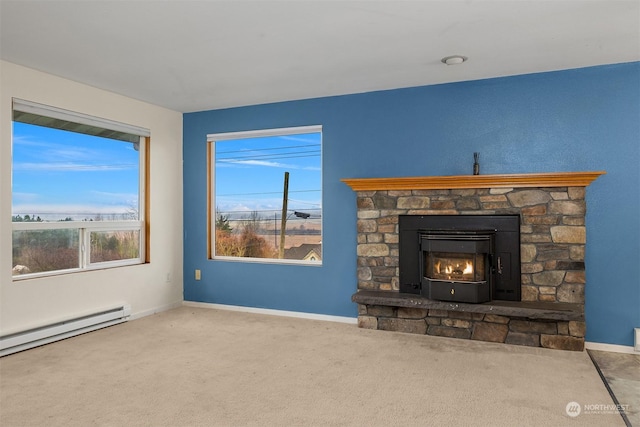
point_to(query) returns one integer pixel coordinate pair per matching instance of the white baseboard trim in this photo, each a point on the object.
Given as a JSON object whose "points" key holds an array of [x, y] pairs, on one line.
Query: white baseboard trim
{"points": [[614, 348], [298, 314], [156, 310]]}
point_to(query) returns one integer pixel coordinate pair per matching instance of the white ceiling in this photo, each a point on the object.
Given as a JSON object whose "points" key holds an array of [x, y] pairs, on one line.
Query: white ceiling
{"points": [[208, 54]]}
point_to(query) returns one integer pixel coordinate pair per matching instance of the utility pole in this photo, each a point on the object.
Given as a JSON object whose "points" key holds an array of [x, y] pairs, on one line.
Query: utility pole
{"points": [[283, 220]]}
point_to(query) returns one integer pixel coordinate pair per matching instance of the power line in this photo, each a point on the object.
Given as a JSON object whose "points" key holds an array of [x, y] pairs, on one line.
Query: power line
{"points": [[252, 154], [269, 192], [264, 157], [259, 211], [292, 219], [268, 149], [305, 203]]}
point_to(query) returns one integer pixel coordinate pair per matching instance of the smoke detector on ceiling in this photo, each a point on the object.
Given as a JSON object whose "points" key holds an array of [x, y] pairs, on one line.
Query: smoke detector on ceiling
{"points": [[454, 59]]}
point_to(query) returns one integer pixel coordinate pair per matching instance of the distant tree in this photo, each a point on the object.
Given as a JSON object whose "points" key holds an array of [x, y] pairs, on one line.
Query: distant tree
{"points": [[254, 245], [112, 243], [114, 246], [132, 213], [252, 223], [45, 250], [228, 244], [246, 243], [222, 222], [26, 218]]}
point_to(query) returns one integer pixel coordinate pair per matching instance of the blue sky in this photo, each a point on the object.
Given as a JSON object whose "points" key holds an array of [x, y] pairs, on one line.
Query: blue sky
{"points": [[250, 174], [57, 173]]}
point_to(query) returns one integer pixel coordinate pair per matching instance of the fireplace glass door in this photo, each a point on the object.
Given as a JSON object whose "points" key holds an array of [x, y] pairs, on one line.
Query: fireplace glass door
{"points": [[451, 266], [457, 266]]}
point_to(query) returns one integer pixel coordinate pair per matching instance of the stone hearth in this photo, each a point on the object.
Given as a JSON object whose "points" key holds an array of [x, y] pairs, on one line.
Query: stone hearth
{"points": [[552, 212]]}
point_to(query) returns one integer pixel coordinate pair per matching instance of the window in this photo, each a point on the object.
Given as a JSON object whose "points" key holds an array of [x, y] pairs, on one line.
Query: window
{"points": [[78, 192], [265, 200]]}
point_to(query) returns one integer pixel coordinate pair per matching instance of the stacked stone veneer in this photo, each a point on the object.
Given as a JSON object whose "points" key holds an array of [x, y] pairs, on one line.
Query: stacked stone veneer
{"points": [[552, 236], [563, 335]]}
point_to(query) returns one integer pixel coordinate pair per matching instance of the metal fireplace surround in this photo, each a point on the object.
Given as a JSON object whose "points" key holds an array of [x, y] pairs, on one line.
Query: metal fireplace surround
{"points": [[460, 258]]}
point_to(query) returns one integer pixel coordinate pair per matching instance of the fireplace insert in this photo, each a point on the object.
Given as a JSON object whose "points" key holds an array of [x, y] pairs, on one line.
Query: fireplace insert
{"points": [[457, 266], [462, 258]]}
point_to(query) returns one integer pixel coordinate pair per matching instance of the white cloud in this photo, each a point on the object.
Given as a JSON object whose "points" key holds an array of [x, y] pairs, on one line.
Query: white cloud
{"points": [[265, 163], [70, 167], [253, 163]]}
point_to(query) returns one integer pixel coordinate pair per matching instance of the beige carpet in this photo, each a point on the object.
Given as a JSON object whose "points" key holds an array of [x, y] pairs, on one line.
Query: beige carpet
{"points": [[203, 367]]}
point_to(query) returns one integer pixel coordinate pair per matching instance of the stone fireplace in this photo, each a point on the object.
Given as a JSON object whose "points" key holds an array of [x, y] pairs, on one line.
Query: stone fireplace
{"points": [[548, 308]]}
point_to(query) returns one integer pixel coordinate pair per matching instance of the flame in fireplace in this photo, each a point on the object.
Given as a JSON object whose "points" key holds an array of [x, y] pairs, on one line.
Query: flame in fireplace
{"points": [[468, 269], [436, 266], [451, 269]]}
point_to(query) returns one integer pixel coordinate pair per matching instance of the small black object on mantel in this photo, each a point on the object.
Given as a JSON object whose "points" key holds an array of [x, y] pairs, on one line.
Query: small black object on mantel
{"points": [[476, 165]]}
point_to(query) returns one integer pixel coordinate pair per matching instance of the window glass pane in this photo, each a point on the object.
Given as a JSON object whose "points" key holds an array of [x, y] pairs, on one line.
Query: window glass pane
{"points": [[40, 251], [268, 197], [61, 175], [114, 245]]}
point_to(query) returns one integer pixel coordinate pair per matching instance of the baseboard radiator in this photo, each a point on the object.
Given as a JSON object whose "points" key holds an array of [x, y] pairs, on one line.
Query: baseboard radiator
{"points": [[25, 340]]}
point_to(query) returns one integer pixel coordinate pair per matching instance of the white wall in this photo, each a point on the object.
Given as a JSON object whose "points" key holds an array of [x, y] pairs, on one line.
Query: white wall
{"points": [[147, 288]]}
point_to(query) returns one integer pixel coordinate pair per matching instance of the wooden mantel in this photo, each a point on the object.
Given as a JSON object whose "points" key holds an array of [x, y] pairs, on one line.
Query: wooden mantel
{"points": [[554, 179]]}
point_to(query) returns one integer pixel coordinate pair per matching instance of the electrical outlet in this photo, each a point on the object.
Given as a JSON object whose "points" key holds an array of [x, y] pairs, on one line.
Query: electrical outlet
{"points": [[198, 275]]}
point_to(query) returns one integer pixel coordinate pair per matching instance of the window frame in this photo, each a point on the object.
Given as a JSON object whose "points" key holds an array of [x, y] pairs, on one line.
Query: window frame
{"points": [[211, 196], [85, 228]]}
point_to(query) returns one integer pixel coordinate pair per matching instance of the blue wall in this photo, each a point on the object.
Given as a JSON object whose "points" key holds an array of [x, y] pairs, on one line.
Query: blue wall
{"points": [[578, 120]]}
